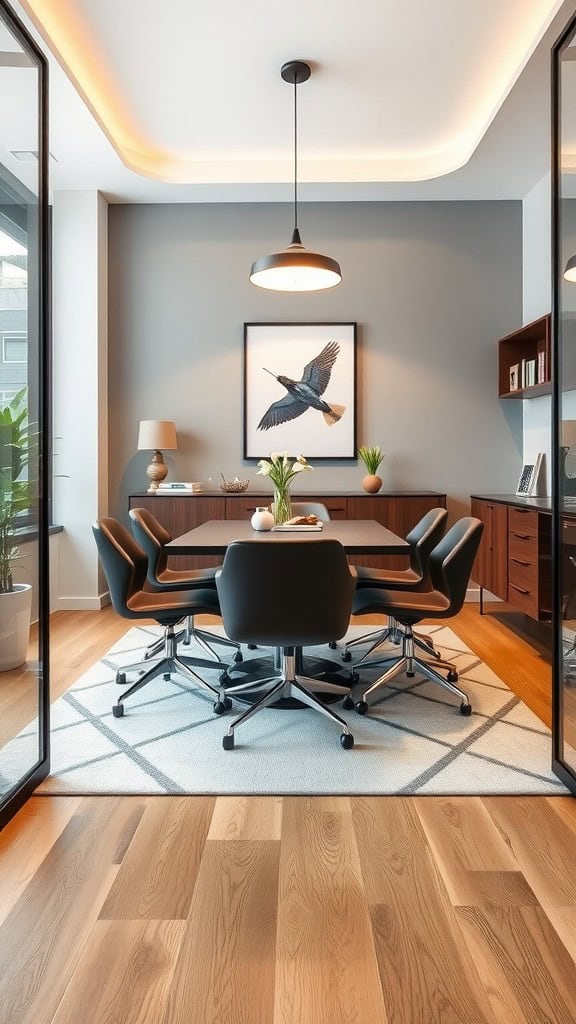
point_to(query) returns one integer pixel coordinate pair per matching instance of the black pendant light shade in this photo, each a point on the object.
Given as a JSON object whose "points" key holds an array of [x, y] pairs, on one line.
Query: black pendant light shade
{"points": [[295, 269]]}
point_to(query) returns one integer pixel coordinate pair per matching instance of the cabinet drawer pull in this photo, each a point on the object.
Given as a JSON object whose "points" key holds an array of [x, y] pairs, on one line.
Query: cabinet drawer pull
{"points": [[522, 536], [519, 589], [522, 511], [519, 561], [335, 508]]}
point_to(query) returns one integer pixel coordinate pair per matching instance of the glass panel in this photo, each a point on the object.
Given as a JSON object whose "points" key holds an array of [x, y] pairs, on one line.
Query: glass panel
{"points": [[22, 324]]}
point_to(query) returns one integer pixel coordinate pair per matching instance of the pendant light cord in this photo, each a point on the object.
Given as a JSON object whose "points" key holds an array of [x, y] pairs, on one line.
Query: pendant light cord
{"points": [[295, 154]]}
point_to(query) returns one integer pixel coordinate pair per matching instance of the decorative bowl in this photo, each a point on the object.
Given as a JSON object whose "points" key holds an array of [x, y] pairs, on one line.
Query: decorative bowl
{"points": [[234, 486]]}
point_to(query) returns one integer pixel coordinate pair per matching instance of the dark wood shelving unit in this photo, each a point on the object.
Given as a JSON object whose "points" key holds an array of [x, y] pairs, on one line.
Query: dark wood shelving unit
{"points": [[525, 343]]}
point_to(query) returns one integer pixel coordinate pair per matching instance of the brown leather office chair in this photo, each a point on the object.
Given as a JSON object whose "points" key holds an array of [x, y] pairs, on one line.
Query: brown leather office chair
{"points": [[153, 537], [450, 565], [292, 594]]}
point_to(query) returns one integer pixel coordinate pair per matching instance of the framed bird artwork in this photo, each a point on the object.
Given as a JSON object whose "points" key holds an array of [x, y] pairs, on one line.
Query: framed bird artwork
{"points": [[300, 390]]}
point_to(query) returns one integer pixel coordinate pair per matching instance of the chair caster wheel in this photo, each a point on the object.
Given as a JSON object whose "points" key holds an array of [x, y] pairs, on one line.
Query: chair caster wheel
{"points": [[186, 641], [410, 675], [354, 678], [466, 710], [452, 677], [361, 707], [166, 675], [346, 656], [121, 678], [347, 740], [238, 656], [332, 645], [228, 742], [348, 703], [252, 647], [118, 711], [223, 678], [220, 707]]}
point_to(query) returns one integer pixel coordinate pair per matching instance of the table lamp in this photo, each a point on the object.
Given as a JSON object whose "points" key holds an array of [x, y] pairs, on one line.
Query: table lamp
{"points": [[154, 435]]}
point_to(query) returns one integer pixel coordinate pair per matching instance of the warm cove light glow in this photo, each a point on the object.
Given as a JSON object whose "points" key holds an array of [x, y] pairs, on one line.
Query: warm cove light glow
{"points": [[77, 31]]}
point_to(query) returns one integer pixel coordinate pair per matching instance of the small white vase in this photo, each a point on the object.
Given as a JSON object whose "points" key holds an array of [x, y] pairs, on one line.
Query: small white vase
{"points": [[262, 519], [15, 610]]}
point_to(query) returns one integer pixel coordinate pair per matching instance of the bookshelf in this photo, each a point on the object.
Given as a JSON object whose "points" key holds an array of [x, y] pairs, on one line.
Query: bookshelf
{"points": [[531, 342]]}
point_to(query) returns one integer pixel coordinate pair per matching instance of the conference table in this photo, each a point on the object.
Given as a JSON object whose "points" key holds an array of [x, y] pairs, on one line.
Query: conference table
{"points": [[357, 536]]}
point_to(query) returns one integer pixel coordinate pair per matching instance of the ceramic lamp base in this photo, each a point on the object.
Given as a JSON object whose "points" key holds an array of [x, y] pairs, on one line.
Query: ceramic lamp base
{"points": [[156, 471]]}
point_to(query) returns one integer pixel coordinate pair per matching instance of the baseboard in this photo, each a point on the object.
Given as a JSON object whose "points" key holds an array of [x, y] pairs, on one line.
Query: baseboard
{"points": [[83, 604], [473, 595]]}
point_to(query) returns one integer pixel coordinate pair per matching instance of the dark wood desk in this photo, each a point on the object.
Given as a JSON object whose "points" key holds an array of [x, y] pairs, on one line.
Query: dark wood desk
{"points": [[357, 536]]}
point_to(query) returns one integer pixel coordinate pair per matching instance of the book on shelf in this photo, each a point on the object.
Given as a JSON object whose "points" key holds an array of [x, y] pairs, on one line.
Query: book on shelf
{"points": [[523, 374]]}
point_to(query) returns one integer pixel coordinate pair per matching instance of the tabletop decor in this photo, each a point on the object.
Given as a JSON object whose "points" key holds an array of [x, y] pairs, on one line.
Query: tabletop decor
{"points": [[371, 455], [234, 486], [281, 472], [153, 436], [300, 389]]}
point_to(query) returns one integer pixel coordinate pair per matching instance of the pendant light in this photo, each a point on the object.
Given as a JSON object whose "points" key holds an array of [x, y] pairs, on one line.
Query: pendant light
{"points": [[570, 269], [295, 269]]}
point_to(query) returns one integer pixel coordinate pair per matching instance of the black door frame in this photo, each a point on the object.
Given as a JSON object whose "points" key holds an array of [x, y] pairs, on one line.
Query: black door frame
{"points": [[18, 795], [559, 766]]}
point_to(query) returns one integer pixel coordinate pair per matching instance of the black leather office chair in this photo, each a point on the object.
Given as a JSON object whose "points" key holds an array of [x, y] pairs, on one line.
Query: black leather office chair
{"points": [[449, 565], [125, 566], [422, 539], [295, 593], [153, 537]]}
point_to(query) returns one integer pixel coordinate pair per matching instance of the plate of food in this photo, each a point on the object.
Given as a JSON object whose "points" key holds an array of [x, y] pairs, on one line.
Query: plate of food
{"points": [[300, 523]]}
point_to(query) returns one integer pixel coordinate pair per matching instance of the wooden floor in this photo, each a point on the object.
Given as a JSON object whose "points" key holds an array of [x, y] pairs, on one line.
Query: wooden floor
{"points": [[264, 910], [294, 910]]}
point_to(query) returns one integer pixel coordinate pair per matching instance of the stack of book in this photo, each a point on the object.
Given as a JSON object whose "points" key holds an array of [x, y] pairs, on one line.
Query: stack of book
{"points": [[542, 368], [528, 373], [194, 487]]}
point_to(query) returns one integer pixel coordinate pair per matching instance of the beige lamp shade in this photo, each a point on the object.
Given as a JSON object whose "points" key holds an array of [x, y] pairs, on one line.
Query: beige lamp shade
{"points": [[157, 435]]}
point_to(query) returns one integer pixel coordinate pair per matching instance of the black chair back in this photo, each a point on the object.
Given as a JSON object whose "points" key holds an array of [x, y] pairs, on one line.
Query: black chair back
{"points": [[423, 538], [124, 562], [451, 561], [152, 537], [290, 593]]}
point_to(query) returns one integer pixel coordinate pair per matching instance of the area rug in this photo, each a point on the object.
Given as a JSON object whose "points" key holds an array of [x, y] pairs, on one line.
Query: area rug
{"points": [[414, 741]]}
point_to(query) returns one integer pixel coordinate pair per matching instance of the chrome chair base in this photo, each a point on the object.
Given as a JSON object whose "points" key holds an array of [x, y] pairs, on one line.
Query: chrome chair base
{"points": [[410, 664], [202, 638], [288, 684], [391, 633]]}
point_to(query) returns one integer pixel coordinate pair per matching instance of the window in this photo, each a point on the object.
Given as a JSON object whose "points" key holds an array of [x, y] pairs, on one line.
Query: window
{"points": [[14, 348]]}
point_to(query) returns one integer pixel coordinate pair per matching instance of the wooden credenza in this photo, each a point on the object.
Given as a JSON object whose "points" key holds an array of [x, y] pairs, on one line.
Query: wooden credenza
{"points": [[514, 560], [398, 510]]}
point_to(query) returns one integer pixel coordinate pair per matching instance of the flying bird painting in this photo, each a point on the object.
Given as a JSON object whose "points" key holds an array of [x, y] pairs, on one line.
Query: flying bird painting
{"points": [[305, 393]]}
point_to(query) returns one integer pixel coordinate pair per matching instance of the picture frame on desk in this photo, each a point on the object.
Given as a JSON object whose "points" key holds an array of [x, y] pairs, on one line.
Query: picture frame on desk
{"points": [[300, 390], [514, 381]]}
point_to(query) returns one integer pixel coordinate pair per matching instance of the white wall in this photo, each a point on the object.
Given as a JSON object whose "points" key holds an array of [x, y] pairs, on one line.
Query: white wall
{"points": [[80, 347], [536, 302]]}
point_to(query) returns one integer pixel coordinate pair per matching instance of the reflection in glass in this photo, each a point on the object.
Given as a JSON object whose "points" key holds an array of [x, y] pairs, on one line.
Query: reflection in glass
{"points": [[21, 666]]}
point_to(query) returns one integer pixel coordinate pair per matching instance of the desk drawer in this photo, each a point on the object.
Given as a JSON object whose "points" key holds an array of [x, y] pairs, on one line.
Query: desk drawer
{"points": [[523, 574], [522, 548], [524, 598], [523, 522]]}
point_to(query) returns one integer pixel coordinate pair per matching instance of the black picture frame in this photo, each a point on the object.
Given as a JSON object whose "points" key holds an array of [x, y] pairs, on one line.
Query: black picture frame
{"points": [[284, 348]]}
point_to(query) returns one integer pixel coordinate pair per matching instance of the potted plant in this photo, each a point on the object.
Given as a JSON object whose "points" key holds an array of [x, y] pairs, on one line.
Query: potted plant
{"points": [[371, 455], [15, 498]]}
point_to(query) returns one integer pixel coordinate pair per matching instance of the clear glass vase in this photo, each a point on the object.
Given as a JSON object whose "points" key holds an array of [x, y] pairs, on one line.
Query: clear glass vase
{"points": [[281, 507]]}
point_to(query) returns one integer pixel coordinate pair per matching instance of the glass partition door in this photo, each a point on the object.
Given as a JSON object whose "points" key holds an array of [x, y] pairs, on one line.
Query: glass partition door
{"points": [[24, 438]]}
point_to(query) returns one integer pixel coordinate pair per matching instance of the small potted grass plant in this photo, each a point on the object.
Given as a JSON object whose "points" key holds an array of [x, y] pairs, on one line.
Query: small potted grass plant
{"points": [[15, 497], [371, 455]]}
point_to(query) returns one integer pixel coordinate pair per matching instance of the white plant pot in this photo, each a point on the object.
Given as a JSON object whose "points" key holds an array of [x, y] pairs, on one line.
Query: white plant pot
{"points": [[15, 609]]}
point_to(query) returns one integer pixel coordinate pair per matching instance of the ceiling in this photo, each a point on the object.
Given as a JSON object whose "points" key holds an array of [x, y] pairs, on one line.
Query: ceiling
{"points": [[406, 100]]}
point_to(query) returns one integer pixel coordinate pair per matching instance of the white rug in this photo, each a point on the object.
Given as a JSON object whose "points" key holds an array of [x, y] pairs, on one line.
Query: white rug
{"points": [[414, 741]]}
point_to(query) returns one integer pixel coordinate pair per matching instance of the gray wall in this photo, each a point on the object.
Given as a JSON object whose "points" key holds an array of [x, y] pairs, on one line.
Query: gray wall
{"points": [[431, 285]]}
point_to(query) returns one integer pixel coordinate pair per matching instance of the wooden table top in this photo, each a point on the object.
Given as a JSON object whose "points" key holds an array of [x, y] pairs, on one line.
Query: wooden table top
{"points": [[357, 536]]}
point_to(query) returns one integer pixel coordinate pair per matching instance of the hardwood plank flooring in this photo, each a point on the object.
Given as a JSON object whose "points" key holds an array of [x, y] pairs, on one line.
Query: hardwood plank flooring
{"points": [[394, 910]]}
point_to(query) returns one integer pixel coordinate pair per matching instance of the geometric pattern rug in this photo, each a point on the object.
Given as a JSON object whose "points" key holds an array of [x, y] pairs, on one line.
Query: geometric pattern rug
{"points": [[414, 741]]}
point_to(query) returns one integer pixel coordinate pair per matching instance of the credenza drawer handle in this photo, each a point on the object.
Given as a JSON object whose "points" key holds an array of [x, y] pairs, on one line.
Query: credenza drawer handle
{"points": [[522, 536], [519, 561], [519, 589], [335, 508]]}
